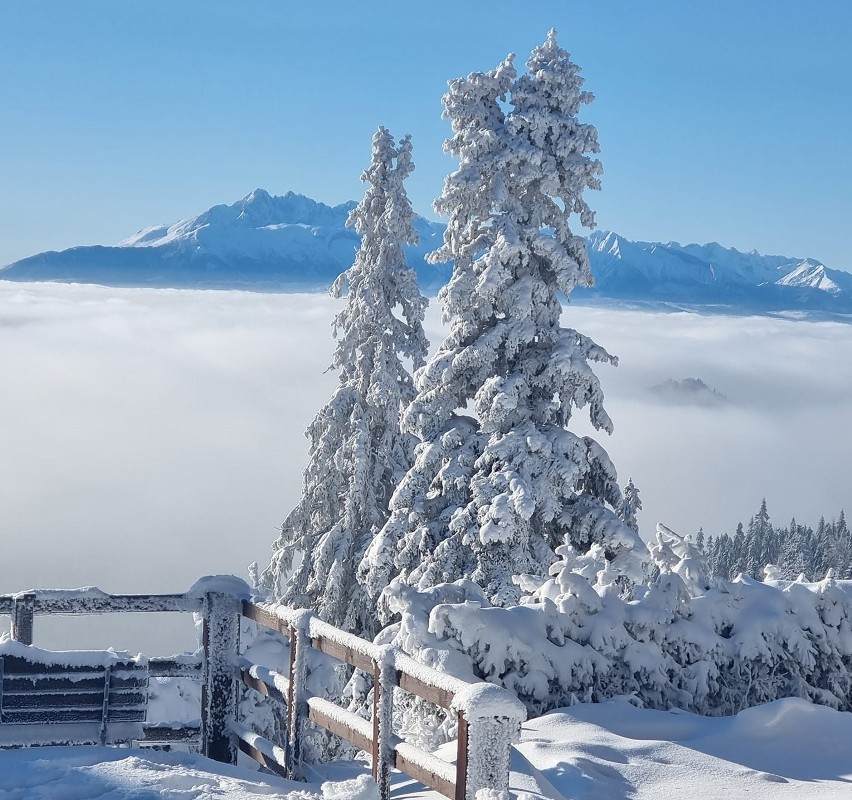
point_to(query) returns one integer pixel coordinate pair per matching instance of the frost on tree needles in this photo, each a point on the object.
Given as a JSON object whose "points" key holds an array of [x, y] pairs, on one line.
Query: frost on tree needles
{"points": [[494, 496], [357, 452]]}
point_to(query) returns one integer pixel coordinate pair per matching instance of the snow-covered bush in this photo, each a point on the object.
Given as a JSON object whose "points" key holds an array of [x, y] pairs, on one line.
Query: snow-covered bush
{"points": [[358, 453], [708, 646], [494, 496]]}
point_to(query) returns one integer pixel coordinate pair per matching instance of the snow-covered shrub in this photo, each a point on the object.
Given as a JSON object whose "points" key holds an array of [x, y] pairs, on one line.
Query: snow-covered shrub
{"points": [[710, 647]]}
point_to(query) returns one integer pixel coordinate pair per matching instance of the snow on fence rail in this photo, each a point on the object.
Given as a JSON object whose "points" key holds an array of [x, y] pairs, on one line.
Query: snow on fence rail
{"points": [[489, 717]]}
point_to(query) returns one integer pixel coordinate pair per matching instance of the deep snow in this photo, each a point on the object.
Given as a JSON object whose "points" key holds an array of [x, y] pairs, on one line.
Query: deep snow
{"points": [[614, 751], [610, 751]]}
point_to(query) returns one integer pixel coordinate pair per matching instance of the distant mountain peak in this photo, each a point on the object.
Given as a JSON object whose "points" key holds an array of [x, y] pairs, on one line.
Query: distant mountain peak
{"points": [[605, 242], [688, 391], [259, 195], [810, 274], [289, 241]]}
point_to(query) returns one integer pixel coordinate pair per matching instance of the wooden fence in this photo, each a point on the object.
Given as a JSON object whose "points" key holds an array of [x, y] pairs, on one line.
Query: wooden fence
{"points": [[488, 716]]}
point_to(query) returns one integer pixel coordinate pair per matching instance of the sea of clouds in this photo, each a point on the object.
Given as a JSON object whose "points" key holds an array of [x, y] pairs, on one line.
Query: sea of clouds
{"points": [[148, 437]]}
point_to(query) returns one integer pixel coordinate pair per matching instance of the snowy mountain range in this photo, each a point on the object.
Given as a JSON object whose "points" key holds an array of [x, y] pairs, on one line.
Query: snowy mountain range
{"points": [[711, 274], [292, 242], [261, 242]]}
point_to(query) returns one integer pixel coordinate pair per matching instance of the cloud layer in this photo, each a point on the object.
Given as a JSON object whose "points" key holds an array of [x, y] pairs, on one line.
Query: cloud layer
{"points": [[152, 436]]}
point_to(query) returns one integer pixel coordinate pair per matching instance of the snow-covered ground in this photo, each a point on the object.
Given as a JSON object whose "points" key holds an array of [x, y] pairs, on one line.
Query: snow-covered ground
{"points": [[612, 751], [84, 773]]}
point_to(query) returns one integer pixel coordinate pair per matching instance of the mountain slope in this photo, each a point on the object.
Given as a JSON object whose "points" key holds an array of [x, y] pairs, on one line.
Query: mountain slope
{"points": [[710, 274], [264, 242], [259, 242]]}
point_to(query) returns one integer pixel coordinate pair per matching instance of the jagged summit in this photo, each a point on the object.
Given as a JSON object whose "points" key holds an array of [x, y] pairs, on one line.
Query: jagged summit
{"points": [[262, 242], [713, 274], [293, 242], [813, 275], [258, 209]]}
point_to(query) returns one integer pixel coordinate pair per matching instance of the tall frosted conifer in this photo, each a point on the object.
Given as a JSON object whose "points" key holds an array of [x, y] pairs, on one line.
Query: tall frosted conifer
{"points": [[494, 497], [357, 452]]}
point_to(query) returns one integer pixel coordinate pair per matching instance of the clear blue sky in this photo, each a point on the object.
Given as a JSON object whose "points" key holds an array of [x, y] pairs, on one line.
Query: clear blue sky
{"points": [[727, 120]]}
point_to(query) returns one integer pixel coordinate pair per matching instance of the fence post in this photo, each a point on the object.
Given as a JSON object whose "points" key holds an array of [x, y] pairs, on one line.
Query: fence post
{"points": [[23, 611], [221, 639], [297, 705], [490, 720], [384, 679]]}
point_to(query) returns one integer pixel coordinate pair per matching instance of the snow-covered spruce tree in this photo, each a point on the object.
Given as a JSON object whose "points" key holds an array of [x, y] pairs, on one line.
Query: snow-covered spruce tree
{"points": [[357, 452], [630, 504], [494, 497]]}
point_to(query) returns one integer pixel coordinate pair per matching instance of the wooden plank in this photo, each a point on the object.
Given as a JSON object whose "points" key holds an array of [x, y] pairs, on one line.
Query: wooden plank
{"points": [[261, 749], [105, 706], [87, 602], [267, 689], [461, 758], [93, 699], [220, 635], [438, 779], [23, 608], [350, 727], [12, 716], [36, 684], [128, 714], [59, 684], [169, 733], [266, 761], [263, 617], [377, 688], [117, 603], [17, 665], [440, 697], [341, 652], [174, 668], [294, 755]]}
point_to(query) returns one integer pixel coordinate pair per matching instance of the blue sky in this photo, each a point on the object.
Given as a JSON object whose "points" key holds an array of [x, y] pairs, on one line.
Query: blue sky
{"points": [[727, 120]]}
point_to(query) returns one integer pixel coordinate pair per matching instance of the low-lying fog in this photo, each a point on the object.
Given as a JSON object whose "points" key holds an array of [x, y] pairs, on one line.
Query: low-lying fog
{"points": [[148, 437]]}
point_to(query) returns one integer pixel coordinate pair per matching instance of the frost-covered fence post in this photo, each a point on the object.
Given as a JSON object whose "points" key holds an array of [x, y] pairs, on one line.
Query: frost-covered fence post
{"points": [[490, 719], [23, 608], [384, 679], [297, 705], [221, 639]]}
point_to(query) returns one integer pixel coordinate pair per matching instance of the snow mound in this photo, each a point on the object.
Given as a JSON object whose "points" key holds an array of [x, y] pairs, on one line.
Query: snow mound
{"points": [[107, 773], [785, 749], [72, 773]]}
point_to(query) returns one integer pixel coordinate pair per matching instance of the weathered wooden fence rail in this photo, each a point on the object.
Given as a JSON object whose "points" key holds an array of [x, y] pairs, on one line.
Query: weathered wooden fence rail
{"points": [[488, 716]]}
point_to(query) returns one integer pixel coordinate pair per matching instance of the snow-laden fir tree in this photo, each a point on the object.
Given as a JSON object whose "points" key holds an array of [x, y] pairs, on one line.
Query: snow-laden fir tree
{"points": [[357, 452], [792, 551], [630, 504], [493, 497]]}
